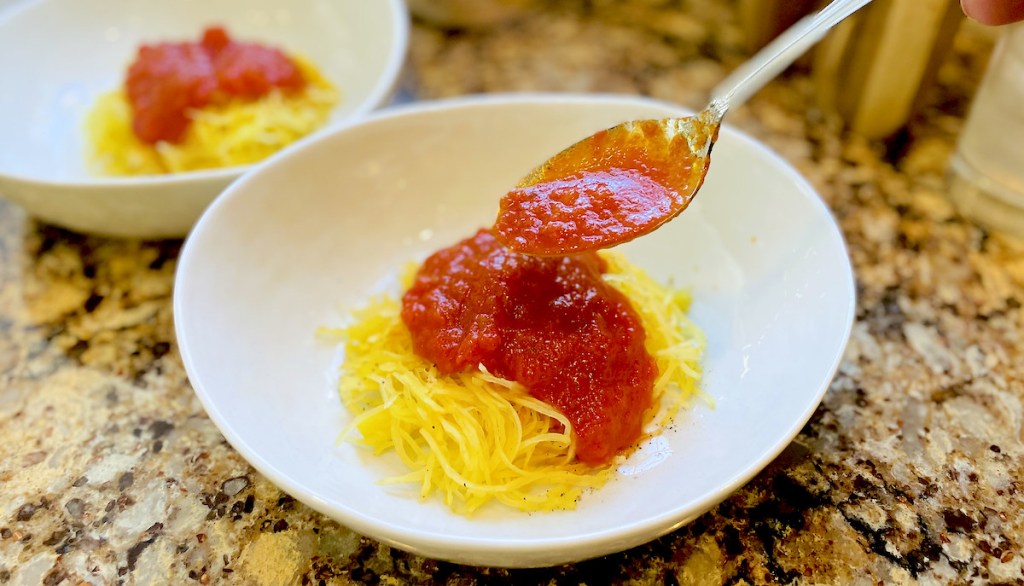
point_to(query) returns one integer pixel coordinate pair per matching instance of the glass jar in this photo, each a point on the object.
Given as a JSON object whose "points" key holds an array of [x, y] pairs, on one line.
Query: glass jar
{"points": [[987, 168]]}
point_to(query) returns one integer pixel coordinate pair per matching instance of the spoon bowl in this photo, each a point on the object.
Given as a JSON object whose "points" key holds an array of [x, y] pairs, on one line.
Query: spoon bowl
{"points": [[628, 180], [611, 187]]}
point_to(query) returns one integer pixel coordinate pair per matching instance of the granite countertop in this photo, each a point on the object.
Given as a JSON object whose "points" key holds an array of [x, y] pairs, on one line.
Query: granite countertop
{"points": [[911, 469]]}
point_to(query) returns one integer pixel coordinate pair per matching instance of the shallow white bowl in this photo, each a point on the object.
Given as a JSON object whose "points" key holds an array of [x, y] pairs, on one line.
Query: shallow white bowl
{"points": [[305, 238], [57, 56]]}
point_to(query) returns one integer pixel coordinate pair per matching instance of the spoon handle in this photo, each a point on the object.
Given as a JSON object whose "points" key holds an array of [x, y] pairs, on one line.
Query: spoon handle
{"points": [[776, 56]]}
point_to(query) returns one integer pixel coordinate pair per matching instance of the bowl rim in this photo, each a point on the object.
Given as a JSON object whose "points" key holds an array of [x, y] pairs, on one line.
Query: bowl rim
{"points": [[381, 91], [569, 548]]}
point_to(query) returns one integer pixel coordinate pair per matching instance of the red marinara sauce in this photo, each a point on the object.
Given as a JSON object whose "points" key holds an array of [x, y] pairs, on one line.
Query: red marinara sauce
{"points": [[168, 79], [618, 184], [549, 323]]}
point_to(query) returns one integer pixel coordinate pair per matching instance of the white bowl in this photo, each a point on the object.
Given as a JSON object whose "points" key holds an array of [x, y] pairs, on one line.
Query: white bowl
{"points": [[59, 55], [767, 265]]}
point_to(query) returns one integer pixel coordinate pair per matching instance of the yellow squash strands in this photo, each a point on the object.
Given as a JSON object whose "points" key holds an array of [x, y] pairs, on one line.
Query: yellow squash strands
{"points": [[675, 342], [238, 132], [472, 437]]}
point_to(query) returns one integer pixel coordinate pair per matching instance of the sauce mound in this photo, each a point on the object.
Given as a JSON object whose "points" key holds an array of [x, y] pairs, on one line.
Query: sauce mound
{"points": [[550, 323], [166, 80], [218, 102]]}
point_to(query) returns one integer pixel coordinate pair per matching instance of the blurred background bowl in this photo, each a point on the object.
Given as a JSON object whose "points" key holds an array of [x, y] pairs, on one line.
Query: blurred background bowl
{"points": [[58, 56]]}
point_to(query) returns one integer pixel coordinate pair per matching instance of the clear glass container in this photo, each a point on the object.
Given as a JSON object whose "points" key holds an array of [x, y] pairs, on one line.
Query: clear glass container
{"points": [[987, 168]]}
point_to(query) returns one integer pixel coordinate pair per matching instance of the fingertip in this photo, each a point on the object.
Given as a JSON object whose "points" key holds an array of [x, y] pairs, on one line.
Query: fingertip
{"points": [[994, 12], [976, 10]]}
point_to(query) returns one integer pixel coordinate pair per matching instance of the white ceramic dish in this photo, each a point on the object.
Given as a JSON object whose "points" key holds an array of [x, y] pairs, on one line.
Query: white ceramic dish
{"points": [[59, 55], [771, 280]]}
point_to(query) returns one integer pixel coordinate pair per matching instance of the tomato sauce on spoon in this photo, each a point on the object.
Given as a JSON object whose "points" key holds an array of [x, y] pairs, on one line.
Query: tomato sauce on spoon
{"points": [[609, 188]]}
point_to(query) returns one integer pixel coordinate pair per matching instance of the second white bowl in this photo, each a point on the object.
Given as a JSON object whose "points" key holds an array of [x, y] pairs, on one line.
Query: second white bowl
{"points": [[60, 55]]}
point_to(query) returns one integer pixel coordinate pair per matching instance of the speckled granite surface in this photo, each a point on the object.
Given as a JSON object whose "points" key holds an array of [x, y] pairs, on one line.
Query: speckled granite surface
{"points": [[910, 471]]}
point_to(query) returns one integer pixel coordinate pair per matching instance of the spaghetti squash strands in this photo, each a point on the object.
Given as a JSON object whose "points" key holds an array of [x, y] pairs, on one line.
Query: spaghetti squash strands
{"points": [[237, 132], [472, 438]]}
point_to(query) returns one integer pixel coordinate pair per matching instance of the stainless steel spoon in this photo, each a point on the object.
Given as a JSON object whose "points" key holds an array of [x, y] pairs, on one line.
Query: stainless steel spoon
{"points": [[628, 180]]}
